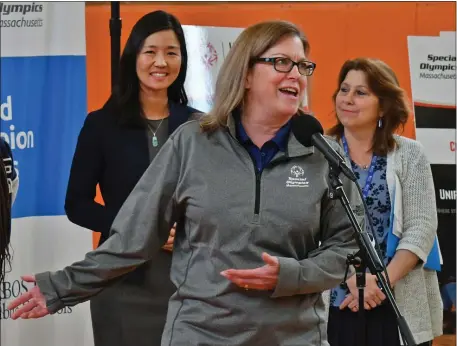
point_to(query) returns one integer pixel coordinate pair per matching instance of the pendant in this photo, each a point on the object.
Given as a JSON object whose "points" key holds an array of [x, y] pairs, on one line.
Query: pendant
{"points": [[155, 142]]}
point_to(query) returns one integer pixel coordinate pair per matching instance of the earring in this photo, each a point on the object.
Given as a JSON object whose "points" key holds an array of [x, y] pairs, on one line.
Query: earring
{"points": [[380, 122]]}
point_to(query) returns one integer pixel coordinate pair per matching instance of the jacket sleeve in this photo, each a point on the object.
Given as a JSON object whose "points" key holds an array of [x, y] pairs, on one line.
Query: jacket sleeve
{"points": [[85, 173], [325, 266], [139, 230], [420, 219]]}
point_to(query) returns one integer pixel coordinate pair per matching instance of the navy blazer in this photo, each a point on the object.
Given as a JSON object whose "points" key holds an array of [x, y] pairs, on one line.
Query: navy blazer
{"points": [[115, 157]]}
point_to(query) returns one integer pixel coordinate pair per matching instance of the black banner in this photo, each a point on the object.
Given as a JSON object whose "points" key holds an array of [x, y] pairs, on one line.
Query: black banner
{"points": [[444, 181], [434, 117]]}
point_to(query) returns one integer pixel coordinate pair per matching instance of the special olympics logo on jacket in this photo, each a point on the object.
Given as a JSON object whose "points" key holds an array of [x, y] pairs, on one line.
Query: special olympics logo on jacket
{"points": [[210, 55], [296, 178], [297, 171]]}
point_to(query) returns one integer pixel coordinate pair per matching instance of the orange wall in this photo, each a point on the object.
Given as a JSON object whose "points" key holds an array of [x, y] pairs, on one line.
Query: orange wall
{"points": [[336, 31]]}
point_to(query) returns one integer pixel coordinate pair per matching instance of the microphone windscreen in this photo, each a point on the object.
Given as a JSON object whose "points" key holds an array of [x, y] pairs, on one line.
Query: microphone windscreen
{"points": [[304, 126]]}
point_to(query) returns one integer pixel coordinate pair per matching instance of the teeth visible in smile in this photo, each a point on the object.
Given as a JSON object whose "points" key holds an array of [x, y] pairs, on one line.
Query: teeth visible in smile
{"points": [[159, 74], [290, 90]]}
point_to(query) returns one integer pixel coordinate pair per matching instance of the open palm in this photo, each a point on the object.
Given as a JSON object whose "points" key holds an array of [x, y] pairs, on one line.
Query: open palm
{"points": [[31, 304]]}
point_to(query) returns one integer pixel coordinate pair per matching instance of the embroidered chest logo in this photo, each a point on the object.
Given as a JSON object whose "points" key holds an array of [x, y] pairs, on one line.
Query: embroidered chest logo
{"points": [[296, 178]]}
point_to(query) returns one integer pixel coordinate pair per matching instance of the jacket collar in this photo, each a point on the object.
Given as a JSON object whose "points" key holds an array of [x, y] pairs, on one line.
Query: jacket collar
{"points": [[294, 148], [179, 114]]}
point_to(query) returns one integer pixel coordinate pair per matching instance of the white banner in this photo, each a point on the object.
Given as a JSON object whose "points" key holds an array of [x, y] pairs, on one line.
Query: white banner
{"points": [[439, 145], [207, 48], [43, 106], [433, 69]]}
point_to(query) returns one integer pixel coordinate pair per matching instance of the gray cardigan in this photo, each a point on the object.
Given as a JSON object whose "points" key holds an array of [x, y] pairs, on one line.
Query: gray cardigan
{"points": [[415, 221]]}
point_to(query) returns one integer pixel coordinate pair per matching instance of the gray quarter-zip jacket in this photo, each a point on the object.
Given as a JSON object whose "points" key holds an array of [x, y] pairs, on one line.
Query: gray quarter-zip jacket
{"points": [[228, 215]]}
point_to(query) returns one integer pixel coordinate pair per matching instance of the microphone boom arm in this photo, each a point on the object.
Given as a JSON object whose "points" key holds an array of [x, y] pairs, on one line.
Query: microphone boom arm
{"points": [[368, 257]]}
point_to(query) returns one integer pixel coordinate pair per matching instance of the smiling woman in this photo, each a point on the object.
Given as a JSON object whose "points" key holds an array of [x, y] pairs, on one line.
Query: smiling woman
{"points": [[115, 147], [159, 61], [397, 184]]}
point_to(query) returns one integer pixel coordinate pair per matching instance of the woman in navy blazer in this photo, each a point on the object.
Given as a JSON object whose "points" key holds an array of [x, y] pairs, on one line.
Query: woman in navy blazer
{"points": [[115, 146]]}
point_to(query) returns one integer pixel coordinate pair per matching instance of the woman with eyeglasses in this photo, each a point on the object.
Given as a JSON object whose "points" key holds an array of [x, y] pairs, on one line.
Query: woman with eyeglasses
{"points": [[259, 238]]}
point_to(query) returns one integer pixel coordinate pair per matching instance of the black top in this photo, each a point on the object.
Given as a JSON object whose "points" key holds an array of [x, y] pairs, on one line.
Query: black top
{"points": [[159, 128], [115, 157], [7, 157]]}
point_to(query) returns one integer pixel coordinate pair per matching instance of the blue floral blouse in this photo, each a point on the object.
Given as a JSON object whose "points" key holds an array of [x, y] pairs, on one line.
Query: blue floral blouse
{"points": [[379, 207]]}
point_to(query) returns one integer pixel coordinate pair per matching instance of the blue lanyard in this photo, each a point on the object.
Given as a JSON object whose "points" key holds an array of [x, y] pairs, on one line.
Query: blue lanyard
{"points": [[366, 188]]}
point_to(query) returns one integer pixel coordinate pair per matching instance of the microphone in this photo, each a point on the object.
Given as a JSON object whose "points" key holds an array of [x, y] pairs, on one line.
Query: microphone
{"points": [[308, 131]]}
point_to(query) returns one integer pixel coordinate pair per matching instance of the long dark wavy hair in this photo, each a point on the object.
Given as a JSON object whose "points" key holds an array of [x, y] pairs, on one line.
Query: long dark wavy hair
{"points": [[125, 98], [5, 222]]}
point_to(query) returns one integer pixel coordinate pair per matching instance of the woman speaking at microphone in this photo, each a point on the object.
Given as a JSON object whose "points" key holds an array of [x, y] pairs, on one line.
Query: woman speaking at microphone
{"points": [[259, 240], [397, 184]]}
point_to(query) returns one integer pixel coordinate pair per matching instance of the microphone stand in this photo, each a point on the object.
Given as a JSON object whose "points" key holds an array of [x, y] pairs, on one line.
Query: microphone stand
{"points": [[366, 257]]}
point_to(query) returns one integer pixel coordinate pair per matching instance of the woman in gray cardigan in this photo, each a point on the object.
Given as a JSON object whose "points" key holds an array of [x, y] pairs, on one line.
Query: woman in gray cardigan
{"points": [[397, 185]]}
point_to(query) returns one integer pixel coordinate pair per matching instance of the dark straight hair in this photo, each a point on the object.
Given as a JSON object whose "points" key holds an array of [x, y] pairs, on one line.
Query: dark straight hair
{"points": [[5, 221], [125, 98]]}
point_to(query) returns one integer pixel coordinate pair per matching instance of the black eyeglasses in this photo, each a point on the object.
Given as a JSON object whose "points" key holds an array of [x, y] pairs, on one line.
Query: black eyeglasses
{"points": [[285, 65]]}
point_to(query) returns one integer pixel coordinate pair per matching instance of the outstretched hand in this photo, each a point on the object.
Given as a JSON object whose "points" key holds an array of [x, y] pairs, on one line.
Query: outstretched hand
{"points": [[262, 278], [32, 303]]}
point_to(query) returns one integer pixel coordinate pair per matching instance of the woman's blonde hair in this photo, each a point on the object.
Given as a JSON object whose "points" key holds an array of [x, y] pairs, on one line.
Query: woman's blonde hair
{"points": [[230, 84]]}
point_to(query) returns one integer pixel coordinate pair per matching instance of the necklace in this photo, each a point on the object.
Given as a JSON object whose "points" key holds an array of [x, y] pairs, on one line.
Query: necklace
{"points": [[155, 141], [363, 166]]}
